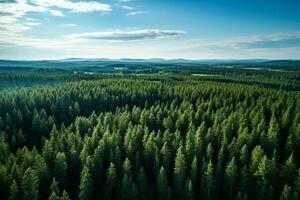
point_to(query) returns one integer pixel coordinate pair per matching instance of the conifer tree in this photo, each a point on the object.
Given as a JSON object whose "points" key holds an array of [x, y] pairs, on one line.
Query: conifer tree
{"points": [[86, 186], [14, 191], [111, 180], [60, 169], [142, 183], [30, 185], [286, 193], [162, 185], [194, 171], [179, 172], [289, 172], [128, 189], [208, 182], [188, 190], [230, 178], [65, 196]]}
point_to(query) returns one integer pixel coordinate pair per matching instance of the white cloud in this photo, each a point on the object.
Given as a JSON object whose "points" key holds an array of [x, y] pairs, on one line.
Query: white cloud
{"points": [[79, 6], [131, 35], [13, 14], [124, 1], [11, 27], [31, 19], [280, 40], [69, 25], [136, 13], [128, 7], [56, 13], [32, 23]]}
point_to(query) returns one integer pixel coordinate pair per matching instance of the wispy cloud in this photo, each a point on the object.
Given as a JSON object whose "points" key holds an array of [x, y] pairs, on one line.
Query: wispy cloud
{"points": [[128, 7], [280, 40], [272, 41], [79, 6], [133, 13], [69, 25], [130, 35], [124, 1], [13, 13], [31, 19], [56, 13], [8, 1]]}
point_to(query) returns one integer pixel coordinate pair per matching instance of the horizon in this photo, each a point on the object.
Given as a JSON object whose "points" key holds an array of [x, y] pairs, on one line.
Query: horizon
{"points": [[149, 59], [144, 29]]}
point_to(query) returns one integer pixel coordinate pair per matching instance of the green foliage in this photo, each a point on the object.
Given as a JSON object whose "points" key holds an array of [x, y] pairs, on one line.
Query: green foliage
{"points": [[151, 137], [86, 185], [162, 185], [30, 185]]}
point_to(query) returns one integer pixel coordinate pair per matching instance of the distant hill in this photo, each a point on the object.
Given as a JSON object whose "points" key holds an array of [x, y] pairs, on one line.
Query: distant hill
{"points": [[283, 63], [128, 65]]}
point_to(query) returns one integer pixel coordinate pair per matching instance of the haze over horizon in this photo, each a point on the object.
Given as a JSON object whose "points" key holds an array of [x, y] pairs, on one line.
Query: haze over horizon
{"points": [[170, 29]]}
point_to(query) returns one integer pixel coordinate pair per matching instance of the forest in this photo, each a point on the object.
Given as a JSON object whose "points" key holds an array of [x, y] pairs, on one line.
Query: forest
{"points": [[153, 136]]}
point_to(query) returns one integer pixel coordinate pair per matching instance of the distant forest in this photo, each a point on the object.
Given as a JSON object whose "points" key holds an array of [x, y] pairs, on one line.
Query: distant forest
{"points": [[228, 134]]}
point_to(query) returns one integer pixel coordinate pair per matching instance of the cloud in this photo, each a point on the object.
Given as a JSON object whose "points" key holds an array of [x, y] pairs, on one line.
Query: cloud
{"points": [[13, 14], [12, 11], [8, 1], [69, 25], [56, 13], [128, 7], [131, 11], [131, 35], [31, 19], [272, 41], [136, 13], [79, 6], [124, 1]]}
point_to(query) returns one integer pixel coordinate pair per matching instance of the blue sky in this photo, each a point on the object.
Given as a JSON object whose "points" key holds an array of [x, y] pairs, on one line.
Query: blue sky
{"points": [[200, 29]]}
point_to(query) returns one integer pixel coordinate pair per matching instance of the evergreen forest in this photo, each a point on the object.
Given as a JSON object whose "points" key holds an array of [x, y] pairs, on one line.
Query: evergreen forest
{"points": [[150, 136]]}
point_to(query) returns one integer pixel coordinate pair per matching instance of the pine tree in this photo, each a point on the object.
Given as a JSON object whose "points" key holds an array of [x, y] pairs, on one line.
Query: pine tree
{"points": [[42, 171], [142, 183], [286, 193], [127, 166], [111, 180], [267, 170], [14, 191], [289, 172], [256, 156], [54, 187], [208, 183], [168, 124], [30, 184], [230, 178], [60, 169], [4, 152], [272, 135], [162, 185], [194, 171], [3, 180], [128, 189], [53, 196], [65, 196], [86, 185], [166, 157], [209, 152], [188, 190], [179, 173]]}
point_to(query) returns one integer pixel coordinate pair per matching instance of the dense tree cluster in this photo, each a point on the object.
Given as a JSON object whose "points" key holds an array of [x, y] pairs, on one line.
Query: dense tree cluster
{"points": [[151, 138]]}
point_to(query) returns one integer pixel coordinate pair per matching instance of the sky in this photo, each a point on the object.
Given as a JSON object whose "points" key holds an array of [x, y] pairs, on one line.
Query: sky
{"points": [[170, 29]]}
